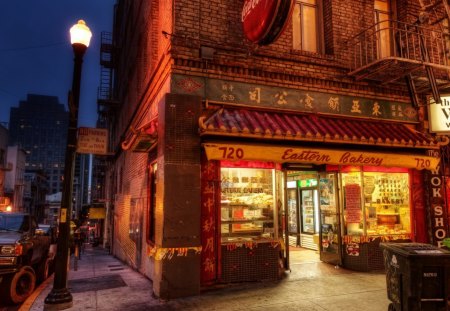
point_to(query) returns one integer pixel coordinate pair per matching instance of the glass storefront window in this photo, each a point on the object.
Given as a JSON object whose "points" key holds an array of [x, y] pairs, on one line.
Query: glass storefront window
{"points": [[376, 203], [248, 207], [387, 203]]}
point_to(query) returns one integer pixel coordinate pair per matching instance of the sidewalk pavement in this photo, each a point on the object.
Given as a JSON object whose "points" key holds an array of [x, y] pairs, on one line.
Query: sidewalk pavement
{"points": [[103, 282]]}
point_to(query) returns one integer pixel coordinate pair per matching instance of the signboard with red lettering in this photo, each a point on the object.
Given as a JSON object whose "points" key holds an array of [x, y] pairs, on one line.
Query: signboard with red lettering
{"points": [[210, 196], [277, 154], [92, 140], [263, 21], [353, 203]]}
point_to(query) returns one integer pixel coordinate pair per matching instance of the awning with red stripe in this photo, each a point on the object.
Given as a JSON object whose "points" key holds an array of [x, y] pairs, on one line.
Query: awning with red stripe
{"points": [[250, 123]]}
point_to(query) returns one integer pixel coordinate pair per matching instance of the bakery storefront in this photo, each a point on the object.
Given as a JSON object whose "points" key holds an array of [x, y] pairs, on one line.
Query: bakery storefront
{"points": [[336, 184]]}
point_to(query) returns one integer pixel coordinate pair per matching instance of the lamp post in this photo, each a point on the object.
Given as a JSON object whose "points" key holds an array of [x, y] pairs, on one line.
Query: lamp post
{"points": [[60, 297]]}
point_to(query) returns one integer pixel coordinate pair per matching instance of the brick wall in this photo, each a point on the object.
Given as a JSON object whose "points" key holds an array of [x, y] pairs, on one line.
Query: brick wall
{"points": [[217, 24], [147, 57]]}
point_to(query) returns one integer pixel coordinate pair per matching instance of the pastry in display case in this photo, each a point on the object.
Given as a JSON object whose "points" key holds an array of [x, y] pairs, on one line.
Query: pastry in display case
{"points": [[247, 205], [241, 221], [387, 207]]}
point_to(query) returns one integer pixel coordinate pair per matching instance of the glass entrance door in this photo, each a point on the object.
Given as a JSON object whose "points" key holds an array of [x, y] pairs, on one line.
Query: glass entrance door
{"points": [[293, 217], [329, 236]]}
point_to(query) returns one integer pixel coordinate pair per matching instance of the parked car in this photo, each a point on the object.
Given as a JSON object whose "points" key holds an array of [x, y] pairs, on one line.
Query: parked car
{"points": [[51, 232], [24, 256]]}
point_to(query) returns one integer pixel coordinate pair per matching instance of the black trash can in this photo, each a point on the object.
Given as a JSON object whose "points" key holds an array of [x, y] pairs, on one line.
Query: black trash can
{"points": [[417, 276]]}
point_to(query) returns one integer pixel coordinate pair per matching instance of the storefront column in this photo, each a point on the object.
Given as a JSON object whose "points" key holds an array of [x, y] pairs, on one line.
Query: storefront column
{"points": [[178, 207], [418, 205]]}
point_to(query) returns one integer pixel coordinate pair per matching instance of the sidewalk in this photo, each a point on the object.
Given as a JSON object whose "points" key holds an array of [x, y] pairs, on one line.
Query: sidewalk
{"points": [[102, 282]]}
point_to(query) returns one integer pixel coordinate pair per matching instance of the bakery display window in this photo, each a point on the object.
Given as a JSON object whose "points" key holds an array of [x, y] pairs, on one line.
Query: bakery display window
{"points": [[376, 203], [247, 204]]}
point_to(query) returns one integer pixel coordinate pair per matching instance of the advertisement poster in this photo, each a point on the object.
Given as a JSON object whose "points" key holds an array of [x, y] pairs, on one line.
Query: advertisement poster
{"points": [[353, 203]]}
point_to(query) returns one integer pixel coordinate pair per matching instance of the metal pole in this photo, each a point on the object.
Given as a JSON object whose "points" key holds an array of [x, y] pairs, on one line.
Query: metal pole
{"points": [[60, 297]]}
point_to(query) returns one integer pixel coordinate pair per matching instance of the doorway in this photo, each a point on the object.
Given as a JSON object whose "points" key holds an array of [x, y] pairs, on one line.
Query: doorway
{"points": [[313, 218]]}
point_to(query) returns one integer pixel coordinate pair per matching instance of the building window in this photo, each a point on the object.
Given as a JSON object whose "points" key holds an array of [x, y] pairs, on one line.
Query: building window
{"points": [[135, 228], [382, 10], [152, 183], [306, 26]]}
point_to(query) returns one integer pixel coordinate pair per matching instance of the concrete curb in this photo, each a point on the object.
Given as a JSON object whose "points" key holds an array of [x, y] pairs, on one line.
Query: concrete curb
{"points": [[30, 300]]}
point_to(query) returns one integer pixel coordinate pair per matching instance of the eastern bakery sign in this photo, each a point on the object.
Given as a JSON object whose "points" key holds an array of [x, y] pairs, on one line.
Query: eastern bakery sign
{"points": [[235, 152], [263, 21]]}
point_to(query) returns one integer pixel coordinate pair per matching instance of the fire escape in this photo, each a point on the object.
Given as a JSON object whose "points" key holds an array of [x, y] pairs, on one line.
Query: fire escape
{"points": [[106, 99], [415, 55], [107, 105]]}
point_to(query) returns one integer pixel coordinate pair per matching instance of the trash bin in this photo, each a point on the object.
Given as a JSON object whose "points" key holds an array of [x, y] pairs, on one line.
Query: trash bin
{"points": [[417, 276]]}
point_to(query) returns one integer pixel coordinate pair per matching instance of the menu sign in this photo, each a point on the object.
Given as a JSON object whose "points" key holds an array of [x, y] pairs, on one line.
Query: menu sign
{"points": [[353, 203]]}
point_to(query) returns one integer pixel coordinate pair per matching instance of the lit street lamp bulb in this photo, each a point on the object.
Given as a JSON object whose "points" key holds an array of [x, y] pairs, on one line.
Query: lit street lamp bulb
{"points": [[80, 34]]}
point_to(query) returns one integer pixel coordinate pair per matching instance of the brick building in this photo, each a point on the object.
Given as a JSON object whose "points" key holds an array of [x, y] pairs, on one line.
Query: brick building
{"points": [[229, 148]]}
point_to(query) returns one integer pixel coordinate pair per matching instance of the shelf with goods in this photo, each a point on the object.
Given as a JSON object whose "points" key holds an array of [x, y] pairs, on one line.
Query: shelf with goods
{"points": [[387, 219], [246, 221], [308, 219]]}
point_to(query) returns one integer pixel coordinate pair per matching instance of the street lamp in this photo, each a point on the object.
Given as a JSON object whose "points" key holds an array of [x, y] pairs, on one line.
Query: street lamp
{"points": [[60, 297]]}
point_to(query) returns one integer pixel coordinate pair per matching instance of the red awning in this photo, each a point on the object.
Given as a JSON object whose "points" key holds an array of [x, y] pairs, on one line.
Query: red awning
{"points": [[247, 122]]}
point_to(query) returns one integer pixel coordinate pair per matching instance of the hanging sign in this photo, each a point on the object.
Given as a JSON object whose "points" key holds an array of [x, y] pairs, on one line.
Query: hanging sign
{"points": [[439, 116], [92, 140], [437, 210], [236, 152], [263, 21]]}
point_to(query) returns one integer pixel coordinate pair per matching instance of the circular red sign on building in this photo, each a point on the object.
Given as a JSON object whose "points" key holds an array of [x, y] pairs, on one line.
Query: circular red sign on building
{"points": [[263, 21]]}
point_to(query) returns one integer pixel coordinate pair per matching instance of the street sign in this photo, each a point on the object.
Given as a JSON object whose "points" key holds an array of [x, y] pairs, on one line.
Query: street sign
{"points": [[92, 141]]}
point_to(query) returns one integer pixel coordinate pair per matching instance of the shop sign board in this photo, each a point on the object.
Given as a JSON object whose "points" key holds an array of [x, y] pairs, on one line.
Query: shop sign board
{"points": [[281, 98], [97, 213], [278, 154], [439, 116], [437, 209], [92, 141], [263, 21]]}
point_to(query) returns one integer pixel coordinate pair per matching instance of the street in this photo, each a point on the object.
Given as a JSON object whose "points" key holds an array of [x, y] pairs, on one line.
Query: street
{"points": [[102, 282]]}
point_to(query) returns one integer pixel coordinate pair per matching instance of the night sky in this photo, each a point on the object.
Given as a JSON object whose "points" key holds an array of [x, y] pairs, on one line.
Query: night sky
{"points": [[36, 56]]}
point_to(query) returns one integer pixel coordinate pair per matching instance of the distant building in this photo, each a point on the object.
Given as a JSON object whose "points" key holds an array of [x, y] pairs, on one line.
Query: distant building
{"points": [[81, 183], [4, 166], [14, 179], [39, 126], [34, 193], [52, 207]]}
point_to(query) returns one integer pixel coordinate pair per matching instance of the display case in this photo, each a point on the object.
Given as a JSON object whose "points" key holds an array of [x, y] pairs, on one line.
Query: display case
{"points": [[247, 205], [309, 211], [245, 222], [376, 209], [387, 204]]}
